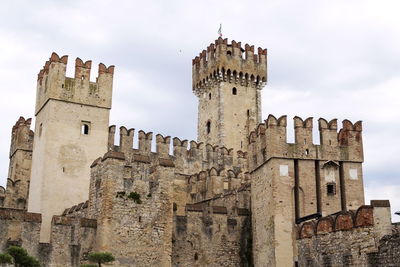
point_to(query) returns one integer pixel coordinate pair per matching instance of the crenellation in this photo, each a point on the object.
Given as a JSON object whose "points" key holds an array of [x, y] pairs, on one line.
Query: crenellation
{"points": [[341, 221], [53, 83], [145, 140], [163, 145], [21, 136], [111, 137], [269, 140], [126, 139], [350, 138], [225, 59], [82, 70]]}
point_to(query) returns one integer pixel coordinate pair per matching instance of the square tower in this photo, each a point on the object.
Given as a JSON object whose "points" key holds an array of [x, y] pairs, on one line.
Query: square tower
{"points": [[227, 80], [71, 131]]}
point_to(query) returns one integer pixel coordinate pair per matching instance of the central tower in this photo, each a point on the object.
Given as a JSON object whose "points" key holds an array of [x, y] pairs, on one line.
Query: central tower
{"points": [[228, 79]]}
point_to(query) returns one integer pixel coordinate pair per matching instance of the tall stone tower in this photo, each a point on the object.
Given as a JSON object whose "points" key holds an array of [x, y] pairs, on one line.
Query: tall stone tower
{"points": [[71, 131], [19, 170], [227, 80]]}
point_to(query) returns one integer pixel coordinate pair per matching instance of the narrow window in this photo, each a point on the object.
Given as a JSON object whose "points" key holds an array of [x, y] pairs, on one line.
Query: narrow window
{"points": [[40, 129], [208, 127], [85, 128], [248, 113], [209, 96], [331, 189], [234, 91], [307, 152]]}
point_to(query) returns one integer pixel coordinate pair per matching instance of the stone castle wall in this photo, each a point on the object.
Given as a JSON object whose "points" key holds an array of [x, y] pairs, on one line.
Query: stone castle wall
{"points": [[214, 232], [355, 238]]}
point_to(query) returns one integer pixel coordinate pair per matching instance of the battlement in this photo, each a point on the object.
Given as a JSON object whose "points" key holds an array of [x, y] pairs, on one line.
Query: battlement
{"points": [[53, 83], [212, 182], [21, 136], [342, 221], [269, 140], [223, 62], [187, 156]]}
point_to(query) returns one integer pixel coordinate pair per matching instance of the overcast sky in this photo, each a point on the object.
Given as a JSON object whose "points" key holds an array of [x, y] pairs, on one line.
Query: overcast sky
{"points": [[331, 59]]}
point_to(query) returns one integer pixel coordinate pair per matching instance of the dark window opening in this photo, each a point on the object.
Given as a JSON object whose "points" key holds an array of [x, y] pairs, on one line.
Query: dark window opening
{"points": [[85, 129], [140, 218], [196, 256], [234, 91], [208, 127], [209, 96], [307, 152], [229, 53], [40, 129], [62, 85], [248, 113], [331, 189]]}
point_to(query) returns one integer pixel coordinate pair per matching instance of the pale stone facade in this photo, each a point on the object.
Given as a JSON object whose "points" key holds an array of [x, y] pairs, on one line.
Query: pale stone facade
{"points": [[240, 195], [72, 118]]}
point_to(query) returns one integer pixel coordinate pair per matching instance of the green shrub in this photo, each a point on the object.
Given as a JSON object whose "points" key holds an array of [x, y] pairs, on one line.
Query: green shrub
{"points": [[21, 257], [5, 259], [89, 265], [101, 257]]}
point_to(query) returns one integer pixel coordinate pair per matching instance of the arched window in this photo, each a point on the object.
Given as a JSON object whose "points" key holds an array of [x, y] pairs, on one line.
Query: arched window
{"points": [[208, 127], [229, 53], [85, 129], [234, 91]]}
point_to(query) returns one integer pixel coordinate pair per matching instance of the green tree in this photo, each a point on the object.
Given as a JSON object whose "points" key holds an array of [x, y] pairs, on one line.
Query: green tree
{"points": [[101, 257], [5, 258], [21, 257]]}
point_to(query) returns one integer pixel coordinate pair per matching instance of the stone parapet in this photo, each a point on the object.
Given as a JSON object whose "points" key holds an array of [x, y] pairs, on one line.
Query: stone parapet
{"points": [[223, 62], [269, 140]]}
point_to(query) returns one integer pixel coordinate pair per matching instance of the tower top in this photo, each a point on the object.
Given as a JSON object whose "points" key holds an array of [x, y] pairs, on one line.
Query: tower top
{"points": [[52, 83], [223, 62]]}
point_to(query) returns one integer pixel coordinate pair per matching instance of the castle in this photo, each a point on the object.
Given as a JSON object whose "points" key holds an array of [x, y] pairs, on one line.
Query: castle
{"points": [[240, 195]]}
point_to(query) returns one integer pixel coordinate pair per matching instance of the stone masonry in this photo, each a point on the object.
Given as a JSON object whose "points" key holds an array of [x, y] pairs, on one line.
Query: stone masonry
{"points": [[240, 195]]}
